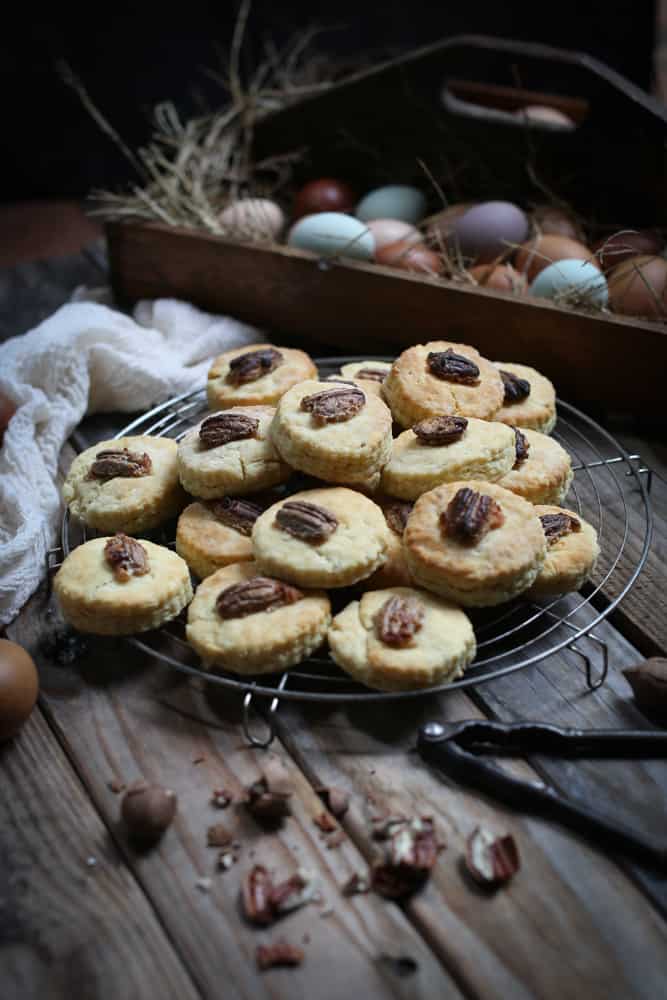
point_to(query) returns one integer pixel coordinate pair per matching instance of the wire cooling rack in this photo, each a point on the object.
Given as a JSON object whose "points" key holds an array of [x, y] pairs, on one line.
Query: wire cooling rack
{"points": [[610, 490]]}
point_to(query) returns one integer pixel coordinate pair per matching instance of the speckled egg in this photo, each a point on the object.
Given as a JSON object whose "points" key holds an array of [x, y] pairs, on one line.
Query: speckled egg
{"points": [[333, 233], [570, 275], [253, 218], [395, 201], [488, 230]]}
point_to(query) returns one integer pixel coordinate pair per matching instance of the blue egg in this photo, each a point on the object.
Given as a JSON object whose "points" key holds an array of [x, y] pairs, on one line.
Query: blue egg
{"points": [[396, 201], [571, 275], [328, 233]]}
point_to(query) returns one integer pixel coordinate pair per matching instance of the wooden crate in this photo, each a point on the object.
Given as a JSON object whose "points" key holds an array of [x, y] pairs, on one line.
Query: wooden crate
{"points": [[594, 358]]}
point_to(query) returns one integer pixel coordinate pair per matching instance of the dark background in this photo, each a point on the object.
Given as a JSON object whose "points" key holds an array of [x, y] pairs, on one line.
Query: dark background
{"points": [[129, 61]]}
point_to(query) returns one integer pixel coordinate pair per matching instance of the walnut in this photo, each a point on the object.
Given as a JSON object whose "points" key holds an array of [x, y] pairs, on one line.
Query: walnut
{"points": [[126, 556], [237, 514], [221, 428], [440, 430], [452, 367], [251, 366], [396, 515], [306, 521], [371, 374], [259, 593], [333, 406], [469, 515], [516, 389], [398, 620], [521, 448], [121, 462], [555, 526]]}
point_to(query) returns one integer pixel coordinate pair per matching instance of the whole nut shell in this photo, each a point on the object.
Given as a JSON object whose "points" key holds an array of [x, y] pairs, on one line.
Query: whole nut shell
{"points": [[148, 810]]}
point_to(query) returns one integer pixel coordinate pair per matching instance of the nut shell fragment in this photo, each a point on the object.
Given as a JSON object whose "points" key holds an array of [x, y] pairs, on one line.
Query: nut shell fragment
{"points": [[491, 860]]}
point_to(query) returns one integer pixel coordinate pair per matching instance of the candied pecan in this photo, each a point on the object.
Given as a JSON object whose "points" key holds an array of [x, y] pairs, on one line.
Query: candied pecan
{"points": [[126, 556], [251, 366], [256, 890], [306, 521], [396, 515], [259, 593], [516, 389], [281, 953], [237, 514], [440, 430], [452, 367], [557, 525], [398, 620], [409, 855], [332, 406], [121, 462], [491, 860], [371, 374], [521, 448], [469, 515], [221, 428]]}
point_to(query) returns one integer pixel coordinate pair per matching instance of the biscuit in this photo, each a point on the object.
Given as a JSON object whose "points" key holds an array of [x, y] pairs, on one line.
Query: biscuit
{"points": [[571, 556], [439, 651], [121, 502], [258, 643], [376, 371], [485, 450], [207, 542], [240, 466], [537, 409], [545, 475], [474, 571], [265, 384], [339, 541], [394, 571], [353, 450], [92, 599], [414, 392]]}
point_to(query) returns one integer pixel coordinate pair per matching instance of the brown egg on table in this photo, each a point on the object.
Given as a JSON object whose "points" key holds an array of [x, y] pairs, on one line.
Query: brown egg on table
{"points": [[324, 195], [553, 221], [19, 686], [501, 277], [627, 243], [410, 257], [386, 231], [543, 114], [638, 287], [533, 256]]}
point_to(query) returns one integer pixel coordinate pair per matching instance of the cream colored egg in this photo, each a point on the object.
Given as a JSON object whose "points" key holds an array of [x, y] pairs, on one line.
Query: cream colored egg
{"points": [[253, 218]]}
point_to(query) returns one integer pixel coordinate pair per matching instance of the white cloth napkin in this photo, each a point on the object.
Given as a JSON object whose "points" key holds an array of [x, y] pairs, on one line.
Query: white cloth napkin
{"points": [[86, 358]]}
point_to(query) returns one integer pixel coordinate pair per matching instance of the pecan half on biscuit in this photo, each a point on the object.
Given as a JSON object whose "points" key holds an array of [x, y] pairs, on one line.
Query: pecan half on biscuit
{"points": [[398, 620], [470, 515], [306, 521], [516, 389], [120, 462], [251, 366], [333, 406], [452, 367], [556, 526], [221, 428], [126, 557], [440, 430], [237, 514], [259, 593]]}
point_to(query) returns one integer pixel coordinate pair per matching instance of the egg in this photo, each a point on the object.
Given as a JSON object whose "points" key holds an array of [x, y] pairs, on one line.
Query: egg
{"points": [[626, 243], [328, 233], [253, 218], [579, 277], [553, 221], [502, 278], [410, 257], [542, 114], [488, 230], [395, 201], [324, 195], [387, 231], [539, 253], [638, 287], [19, 686]]}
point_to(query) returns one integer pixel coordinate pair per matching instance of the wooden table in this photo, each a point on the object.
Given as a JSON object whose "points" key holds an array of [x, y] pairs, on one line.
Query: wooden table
{"points": [[83, 914]]}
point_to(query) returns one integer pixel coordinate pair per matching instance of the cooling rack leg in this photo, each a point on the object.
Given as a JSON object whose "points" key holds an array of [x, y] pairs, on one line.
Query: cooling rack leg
{"points": [[593, 683], [262, 742]]}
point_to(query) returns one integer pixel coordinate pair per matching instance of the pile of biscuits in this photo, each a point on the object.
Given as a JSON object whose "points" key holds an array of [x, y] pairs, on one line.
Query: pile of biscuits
{"points": [[460, 509]]}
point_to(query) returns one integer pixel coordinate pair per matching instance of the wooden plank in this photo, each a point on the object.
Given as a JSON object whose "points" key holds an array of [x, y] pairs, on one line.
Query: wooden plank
{"points": [[74, 921], [121, 716]]}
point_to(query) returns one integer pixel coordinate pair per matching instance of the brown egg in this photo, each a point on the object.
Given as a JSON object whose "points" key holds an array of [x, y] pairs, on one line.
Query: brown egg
{"points": [[627, 243], [387, 231], [19, 686], [502, 278], [438, 227], [533, 256], [410, 257], [638, 287], [554, 221], [324, 195]]}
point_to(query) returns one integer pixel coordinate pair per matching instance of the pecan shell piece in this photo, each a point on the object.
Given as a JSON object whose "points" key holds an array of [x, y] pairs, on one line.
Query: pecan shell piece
{"points": [[396, 515], [440, 430], [516, 389], [521, 448], [237, 514], [491, 860], [555, 526], [256, 890], [398, 620], [469, 515], [221, 428], [252, 365], [259, 593], [333, 406], [307, 521], [452, 367], [126, 557], [410, 853], [268, 956], [120, 462], [371, 374]]}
